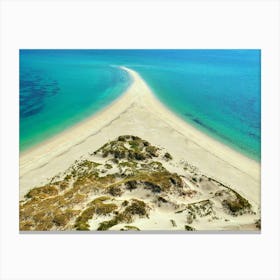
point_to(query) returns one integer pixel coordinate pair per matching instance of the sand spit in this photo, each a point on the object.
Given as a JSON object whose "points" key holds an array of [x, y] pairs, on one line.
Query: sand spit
{"points": [[138, 112]]}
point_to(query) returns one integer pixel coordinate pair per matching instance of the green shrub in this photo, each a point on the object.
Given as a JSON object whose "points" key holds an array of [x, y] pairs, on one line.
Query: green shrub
{"points": [[189, 228], [115, 191], [167, 156]]}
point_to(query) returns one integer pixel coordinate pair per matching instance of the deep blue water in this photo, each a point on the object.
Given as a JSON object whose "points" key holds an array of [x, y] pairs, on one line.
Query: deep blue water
{"points": [[217, 91]]}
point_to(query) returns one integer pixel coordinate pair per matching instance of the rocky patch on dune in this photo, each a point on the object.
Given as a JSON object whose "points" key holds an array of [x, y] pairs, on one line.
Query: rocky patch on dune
{"points": [[123, 186]]}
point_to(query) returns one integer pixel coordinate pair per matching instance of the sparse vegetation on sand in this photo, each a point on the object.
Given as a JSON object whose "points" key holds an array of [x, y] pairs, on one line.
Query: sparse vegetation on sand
{"points": [[233, 202], [126, 228], [258, 223], [189, 228], [95, 207], [134, 208], [128, 147], [126, 181]]}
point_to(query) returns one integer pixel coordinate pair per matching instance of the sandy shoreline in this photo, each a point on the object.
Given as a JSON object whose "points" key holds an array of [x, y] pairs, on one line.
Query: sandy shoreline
{"points": [[62, 142], [139, 113]]}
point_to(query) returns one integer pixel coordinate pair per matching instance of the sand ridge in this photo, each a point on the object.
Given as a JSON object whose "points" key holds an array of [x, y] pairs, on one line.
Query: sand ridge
{"points": [[138, 112]]}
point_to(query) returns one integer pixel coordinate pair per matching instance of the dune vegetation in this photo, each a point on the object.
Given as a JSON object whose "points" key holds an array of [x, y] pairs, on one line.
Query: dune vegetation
{"points": [[130, 185]]}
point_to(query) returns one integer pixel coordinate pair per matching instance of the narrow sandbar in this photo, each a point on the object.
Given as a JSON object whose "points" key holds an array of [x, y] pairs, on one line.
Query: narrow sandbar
{"points": [[140, 113]]}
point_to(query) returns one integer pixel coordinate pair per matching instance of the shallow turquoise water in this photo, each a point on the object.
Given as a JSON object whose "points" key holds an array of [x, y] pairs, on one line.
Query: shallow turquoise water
{"points": [[57, 91], [218, 91]]}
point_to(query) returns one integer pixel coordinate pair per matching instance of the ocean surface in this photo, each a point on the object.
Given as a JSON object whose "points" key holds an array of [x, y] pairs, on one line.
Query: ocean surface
{"points": [[217, 91]]}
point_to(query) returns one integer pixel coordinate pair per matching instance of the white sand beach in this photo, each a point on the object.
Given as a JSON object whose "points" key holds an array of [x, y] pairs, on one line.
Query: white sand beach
{"points": [[138, 112]]}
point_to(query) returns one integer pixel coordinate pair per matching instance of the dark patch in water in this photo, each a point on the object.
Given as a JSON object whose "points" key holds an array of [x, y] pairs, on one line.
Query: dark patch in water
{"points": [[253, 135], [199, 122], [204, 125], [34, 89], [188, 114], [32, 112]]}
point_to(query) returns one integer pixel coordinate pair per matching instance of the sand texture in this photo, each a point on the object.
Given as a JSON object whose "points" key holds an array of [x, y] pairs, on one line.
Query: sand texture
{"points": [[210, 183]]}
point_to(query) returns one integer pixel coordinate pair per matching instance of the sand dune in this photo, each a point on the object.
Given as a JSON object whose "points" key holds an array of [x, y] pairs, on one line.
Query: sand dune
{"points": [[138, 112]]}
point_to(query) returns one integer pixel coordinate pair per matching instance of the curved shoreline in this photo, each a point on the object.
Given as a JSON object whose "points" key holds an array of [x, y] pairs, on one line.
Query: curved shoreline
{"points": [[139, 112], [199, 137], [60, 143]]}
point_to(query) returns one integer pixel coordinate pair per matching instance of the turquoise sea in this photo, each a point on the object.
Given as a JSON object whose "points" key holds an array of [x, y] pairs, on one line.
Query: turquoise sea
{"points": [[217, 91]]}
